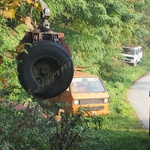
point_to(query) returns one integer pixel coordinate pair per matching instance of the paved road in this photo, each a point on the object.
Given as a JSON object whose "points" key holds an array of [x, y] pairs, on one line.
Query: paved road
{"points": [[139, 97]]}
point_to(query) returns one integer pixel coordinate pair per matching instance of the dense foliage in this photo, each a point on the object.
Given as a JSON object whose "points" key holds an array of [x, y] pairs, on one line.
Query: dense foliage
{"points": [[95, 31]]}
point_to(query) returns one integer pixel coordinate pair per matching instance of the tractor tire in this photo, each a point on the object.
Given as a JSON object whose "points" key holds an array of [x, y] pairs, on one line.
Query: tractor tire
{"points": [[46, 70]]}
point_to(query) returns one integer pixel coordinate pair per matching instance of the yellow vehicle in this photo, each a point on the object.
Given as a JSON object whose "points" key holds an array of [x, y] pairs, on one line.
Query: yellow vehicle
{"points": [[85, 91]]}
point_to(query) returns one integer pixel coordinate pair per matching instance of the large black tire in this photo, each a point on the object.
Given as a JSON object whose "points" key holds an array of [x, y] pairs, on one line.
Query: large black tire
{"points": [[46, 71]]}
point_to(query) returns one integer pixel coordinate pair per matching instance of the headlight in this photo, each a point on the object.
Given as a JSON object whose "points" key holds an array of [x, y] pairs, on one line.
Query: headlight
{"points": [[105, 100], [76, 102]]}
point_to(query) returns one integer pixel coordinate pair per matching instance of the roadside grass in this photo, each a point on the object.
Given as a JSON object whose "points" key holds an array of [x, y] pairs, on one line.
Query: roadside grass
{"points": [[118, 132], [116, 140]]}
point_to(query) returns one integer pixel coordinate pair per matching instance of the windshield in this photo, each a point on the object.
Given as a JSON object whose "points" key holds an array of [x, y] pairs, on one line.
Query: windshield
{"points": [[82, 85], [128, 51]]}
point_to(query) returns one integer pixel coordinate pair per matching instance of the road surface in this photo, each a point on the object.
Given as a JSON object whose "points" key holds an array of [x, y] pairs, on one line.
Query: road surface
{"points": [[139, 97]]}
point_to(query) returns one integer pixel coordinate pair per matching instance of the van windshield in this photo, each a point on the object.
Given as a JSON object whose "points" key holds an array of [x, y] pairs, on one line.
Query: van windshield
{"points": [[128, 51], [84, 85]]}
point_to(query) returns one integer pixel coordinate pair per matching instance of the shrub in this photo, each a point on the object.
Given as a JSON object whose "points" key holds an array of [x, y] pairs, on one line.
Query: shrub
{"points": [[33, 127]]}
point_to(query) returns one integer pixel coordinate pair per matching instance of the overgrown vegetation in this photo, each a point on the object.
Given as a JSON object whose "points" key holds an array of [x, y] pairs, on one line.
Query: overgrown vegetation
{"points": [[34, 127], [95, 32]]}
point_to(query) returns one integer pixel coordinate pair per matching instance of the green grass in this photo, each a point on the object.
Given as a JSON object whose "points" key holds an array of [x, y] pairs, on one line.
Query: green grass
{"points": [[116, 139]]}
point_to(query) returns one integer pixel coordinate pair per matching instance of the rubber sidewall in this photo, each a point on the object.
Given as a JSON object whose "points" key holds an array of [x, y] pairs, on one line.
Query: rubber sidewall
{"points": [[40, 50]]}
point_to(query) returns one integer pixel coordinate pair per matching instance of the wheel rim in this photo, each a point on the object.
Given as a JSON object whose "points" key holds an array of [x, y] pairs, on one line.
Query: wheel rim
{"points": [[43, 70]]}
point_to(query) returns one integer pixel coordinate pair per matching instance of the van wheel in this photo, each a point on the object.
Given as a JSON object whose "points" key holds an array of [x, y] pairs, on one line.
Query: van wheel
{"points": [[46, 71], [135, 63]]}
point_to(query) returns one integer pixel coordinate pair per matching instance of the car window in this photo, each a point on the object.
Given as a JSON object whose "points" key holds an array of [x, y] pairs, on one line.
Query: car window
{"points": [[91, 85], [128, 51]]}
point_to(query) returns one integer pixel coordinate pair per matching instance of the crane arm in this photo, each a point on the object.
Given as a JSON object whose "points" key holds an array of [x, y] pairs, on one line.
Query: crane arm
{"points": [[45, 14]]}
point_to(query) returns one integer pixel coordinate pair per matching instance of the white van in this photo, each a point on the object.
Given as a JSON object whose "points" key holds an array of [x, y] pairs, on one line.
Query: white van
{"points": [[132, 54]]}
